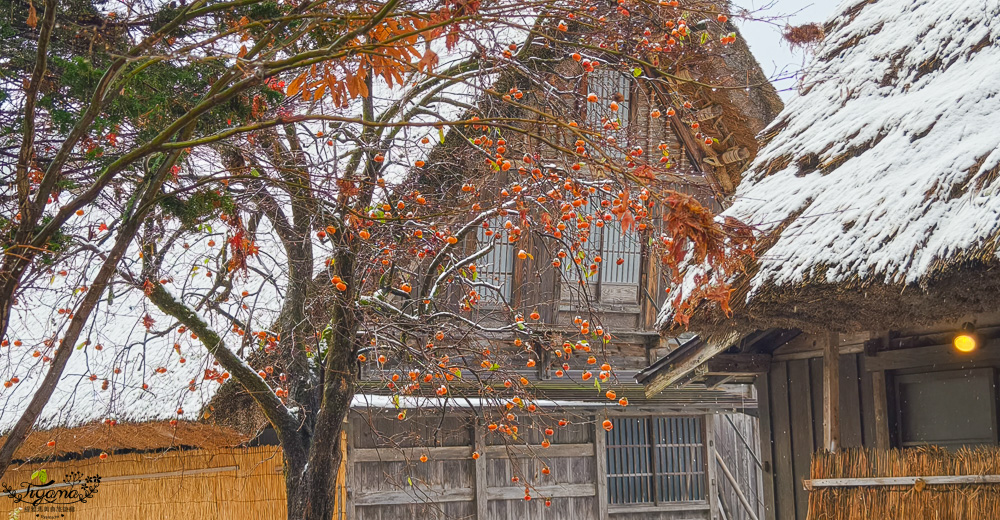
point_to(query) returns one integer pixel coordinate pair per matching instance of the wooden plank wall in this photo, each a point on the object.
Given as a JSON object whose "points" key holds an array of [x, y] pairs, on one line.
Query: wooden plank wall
{"points": [[737, 439], [391, 482], [387, 480], [791, 417]]}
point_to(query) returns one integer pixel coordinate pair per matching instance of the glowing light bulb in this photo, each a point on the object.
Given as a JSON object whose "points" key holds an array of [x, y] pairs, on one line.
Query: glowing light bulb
{"points": [[965, 339], [964, 342]]}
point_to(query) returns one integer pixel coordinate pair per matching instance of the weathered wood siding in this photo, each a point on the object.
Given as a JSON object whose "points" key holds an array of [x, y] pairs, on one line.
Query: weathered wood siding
{"points": [[626, 296], [790, 401], [385, 478], [391, 482], [737, 440]]}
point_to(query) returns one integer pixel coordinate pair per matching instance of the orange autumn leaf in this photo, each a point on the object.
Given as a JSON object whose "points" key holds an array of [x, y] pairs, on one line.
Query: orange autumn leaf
{"points": [[32, 20]]}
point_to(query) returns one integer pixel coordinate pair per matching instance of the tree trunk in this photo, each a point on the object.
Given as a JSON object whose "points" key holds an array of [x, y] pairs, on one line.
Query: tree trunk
{"points": [[311, 477], [311, 482]]}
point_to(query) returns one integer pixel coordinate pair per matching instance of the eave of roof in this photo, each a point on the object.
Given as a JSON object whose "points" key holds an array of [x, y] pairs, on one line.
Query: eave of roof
{"points": [[679, 363], [878, 191]]}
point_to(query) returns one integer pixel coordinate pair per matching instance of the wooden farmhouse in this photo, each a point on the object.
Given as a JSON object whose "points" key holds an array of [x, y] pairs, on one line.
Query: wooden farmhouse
{"points": [[867, 321], [688, 453], [676, 454]]}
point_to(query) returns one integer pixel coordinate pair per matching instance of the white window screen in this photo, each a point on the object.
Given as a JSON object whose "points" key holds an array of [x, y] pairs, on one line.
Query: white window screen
{"points": [[497, 267]]}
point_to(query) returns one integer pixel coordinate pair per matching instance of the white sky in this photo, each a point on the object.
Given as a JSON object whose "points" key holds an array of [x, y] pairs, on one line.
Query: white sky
{"points": [[764, 34]]}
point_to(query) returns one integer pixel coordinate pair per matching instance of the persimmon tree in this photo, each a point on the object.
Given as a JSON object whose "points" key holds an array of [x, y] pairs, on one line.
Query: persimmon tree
{"points": [[306, 192]]}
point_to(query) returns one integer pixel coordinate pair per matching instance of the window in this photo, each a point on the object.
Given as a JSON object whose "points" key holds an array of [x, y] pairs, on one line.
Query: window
{"points": [[618, 245], [497, 267], [617, 283], [950, 408], [610, 86], [652, 460]]}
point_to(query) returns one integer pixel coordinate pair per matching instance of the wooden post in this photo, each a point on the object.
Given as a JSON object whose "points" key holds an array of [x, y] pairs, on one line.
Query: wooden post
{"points": [[601, 465], [763, 386], [341, 512], [831, 392], [482, 498], [712, 470], [349, 473], [648, 288], [881, 410]]}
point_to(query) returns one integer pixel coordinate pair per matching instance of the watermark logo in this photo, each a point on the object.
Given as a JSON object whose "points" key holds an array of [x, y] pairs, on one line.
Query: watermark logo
{"points": [[50, 499]]}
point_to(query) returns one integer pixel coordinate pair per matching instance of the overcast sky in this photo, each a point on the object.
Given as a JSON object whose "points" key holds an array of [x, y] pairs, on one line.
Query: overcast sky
{"points": [[775, 57]]}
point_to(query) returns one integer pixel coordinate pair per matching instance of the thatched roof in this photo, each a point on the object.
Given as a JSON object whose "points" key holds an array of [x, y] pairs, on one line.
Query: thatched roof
{"points": [[95, 437], [727, 78], [876, 189], [748, 100]]}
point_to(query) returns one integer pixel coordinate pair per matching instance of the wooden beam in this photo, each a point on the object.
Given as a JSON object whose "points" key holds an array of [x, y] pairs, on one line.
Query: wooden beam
{"points": [[711, 472], [736, 487], [677, 371], [831, 392], [662, 508], [649, 281], [941, 480], [680, 129], [807, 346], [816, 353], [763, 387], [739, 364], [404, 454], [714, 381], [881, 410], [552, 452], [550, 491], [482, 499], [414, 495], [693, 376], [938, 355], [601, 468]]}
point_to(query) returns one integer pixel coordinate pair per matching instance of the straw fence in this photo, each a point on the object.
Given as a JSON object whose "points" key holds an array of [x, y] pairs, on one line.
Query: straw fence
{"points": [[941, 485], [224, 483]]}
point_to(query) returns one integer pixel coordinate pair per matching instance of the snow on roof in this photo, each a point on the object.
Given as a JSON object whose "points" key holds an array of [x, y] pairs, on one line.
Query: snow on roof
{"points": [[884, 169], [114, 359], [887, 160]]}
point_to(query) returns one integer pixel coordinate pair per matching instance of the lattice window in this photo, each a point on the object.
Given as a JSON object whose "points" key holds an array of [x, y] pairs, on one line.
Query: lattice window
{"points": [[591, 247], [615, 245], [497, 267], [612, 244], [655, 460], [610, 85]]}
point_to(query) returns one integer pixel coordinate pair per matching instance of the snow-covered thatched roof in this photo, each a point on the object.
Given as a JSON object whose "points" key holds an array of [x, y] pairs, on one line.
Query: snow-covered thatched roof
{"points": [[877, 187]]}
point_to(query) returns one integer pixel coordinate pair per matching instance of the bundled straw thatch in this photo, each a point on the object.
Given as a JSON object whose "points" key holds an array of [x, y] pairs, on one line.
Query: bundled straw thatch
{"points": [[224, 483], [919, 501]]}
